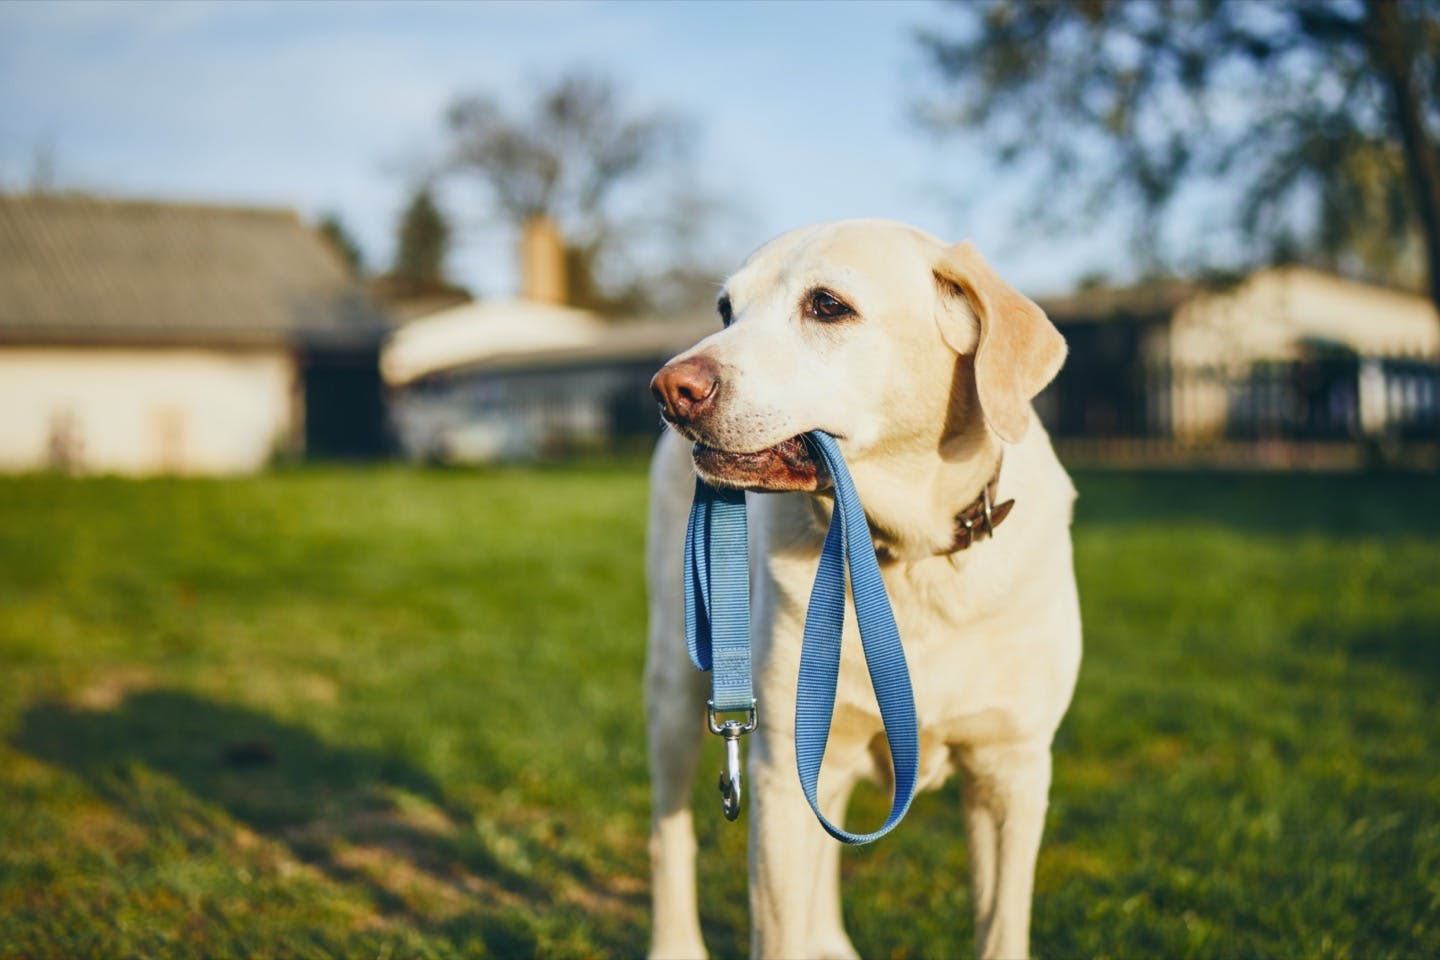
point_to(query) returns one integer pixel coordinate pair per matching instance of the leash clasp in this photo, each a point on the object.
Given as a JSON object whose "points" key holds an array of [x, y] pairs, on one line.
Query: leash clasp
{"points": [[731, 788]]}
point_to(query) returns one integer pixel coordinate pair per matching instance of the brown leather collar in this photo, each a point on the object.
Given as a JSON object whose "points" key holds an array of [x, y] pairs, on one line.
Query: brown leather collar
{"points": [[982, 516], [972, 524]]}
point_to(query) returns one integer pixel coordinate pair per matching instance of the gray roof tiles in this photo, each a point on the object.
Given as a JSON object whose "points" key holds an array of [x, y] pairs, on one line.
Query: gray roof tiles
{"points": [[85, 270]]}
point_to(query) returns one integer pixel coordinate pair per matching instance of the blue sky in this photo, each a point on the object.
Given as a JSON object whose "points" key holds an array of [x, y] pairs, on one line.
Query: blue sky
{"points": [[803, 111]]}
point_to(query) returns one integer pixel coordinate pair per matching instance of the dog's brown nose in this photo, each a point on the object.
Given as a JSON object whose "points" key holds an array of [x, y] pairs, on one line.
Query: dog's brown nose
{"points": [[686, 389]]}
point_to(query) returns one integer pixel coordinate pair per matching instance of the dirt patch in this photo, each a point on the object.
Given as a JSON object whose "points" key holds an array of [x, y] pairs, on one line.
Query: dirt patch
{"points": [[318, 689], [110, 689]]}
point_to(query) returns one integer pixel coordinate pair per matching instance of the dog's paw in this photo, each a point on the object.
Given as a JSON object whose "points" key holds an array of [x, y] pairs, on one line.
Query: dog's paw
{"points": [[678, 951], [835, 946]]}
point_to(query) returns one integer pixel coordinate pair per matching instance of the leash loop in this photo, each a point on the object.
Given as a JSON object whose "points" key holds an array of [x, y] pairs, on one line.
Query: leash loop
{"points": [[848, 544], [717, 634]]}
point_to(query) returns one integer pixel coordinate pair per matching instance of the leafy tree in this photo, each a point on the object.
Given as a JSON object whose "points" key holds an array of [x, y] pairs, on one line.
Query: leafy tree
{"points": [[581, 156], [1325, 112], [423, 243], [335, 233]]}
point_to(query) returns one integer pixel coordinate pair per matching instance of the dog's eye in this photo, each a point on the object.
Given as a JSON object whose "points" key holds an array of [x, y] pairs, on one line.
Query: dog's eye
{"points": [[823, 305], [723, 305]]}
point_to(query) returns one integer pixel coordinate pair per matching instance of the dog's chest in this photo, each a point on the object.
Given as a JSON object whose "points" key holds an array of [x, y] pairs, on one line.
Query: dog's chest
{"points": [[961, 671]]}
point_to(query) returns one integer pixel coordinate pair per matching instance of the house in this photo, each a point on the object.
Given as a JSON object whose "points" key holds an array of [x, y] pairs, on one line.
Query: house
{"points": [[1286, 351], [141, 338], [529, 377], [524, 379]]}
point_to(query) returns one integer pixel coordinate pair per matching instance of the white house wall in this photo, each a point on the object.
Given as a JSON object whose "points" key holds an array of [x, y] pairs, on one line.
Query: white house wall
{"points": [[1270, 317], [144, 411]]}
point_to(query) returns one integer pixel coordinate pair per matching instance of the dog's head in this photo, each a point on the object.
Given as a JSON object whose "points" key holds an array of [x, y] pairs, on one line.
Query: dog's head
{"points": [[872, 331]]}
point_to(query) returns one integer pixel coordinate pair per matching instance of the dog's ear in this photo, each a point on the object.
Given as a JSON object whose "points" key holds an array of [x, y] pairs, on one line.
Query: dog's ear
{"points": [[1018, 350]]}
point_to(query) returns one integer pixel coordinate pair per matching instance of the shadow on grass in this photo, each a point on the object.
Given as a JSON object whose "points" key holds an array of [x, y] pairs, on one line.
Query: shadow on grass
{"points": [[373, 822], [1411, 646]]}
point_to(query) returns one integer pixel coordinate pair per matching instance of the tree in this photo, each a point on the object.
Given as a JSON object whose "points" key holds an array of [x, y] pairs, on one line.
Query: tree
{"points": [[416, 282], [335, 233], [590, 163], [1325, 112], [423, 243]]}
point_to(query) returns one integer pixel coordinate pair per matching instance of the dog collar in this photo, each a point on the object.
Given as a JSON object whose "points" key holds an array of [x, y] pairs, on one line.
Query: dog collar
{"points": [[982, 516], [974, 523]]}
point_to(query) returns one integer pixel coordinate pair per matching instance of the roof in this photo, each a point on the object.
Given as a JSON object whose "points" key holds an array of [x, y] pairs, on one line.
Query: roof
{"points": [[77, 269], [472, 332], [405, 299], [511, 334], [1153, 300], [649, 340]]}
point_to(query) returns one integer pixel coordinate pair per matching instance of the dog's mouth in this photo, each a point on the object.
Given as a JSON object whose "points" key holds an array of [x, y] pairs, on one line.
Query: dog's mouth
{"points": [[788, 465]]}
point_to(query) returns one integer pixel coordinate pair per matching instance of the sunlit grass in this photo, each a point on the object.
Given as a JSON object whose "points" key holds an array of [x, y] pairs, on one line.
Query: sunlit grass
{"points": [[386, 712]]}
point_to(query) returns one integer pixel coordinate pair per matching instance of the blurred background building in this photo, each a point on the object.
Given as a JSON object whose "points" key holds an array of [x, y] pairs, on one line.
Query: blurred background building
{"points": [[1285, 355], [530, 377], [141, 337], [496, 238]]}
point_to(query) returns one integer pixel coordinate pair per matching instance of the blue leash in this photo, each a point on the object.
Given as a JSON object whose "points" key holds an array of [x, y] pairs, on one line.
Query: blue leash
{"points": [[717, 632]]}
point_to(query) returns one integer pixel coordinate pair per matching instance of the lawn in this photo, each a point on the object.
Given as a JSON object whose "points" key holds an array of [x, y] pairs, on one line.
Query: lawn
{"points": [[383, 712]]}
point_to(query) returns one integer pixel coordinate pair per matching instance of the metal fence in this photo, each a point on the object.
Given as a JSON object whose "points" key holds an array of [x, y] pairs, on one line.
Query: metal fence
{"points": [[1369, 402]]}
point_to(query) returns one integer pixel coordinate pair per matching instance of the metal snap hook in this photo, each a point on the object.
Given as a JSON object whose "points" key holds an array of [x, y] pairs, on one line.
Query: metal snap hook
{"points": [[731, 787], [731, 783]]}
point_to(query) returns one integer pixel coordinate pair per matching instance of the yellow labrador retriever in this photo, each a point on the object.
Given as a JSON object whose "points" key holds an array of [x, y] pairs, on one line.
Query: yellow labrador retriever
{"points": [[923, 363]]}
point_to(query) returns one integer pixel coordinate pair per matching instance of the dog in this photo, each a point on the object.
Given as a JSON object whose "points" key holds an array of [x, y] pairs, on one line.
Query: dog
{"points": [[923, 363]]}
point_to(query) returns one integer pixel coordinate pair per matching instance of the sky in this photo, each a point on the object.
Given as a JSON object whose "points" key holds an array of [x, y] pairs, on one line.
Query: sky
{"points": [[804, 112]]}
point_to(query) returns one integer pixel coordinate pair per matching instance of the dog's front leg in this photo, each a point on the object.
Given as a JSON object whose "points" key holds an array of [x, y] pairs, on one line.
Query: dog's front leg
{"points": [[786, 845], [1006, 791], [675, 734], [828, 939]]}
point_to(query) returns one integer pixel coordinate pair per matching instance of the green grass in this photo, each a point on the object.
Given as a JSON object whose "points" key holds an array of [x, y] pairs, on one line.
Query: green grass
{"points": [[395, 713]]}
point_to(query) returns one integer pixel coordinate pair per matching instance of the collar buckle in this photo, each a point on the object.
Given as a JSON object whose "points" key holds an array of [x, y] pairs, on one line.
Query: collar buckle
{"points": [[981, 517]]}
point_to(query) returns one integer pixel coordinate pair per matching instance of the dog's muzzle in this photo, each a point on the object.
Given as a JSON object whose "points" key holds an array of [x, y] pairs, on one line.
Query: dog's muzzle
{"points": [[686, 389], [788, 465]]}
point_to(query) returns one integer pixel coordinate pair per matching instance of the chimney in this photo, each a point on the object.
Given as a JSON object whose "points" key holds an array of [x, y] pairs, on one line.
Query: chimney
{"points": [[542, 261]]}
